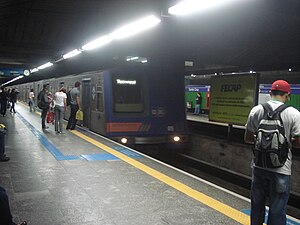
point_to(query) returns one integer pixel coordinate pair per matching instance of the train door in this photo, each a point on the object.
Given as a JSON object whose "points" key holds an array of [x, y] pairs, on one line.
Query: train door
{"points": [[97, 106], [86, 102]]}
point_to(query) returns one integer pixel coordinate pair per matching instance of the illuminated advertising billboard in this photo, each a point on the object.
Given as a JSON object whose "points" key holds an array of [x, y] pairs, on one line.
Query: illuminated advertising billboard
{"points": [[232, 97]]}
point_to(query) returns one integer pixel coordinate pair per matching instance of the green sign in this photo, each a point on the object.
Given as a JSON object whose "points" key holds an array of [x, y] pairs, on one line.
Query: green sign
{"points": [[232, 97]]}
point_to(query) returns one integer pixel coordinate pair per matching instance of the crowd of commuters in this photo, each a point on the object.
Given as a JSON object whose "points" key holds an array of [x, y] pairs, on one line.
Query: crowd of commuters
{"points": [[58, 104]]}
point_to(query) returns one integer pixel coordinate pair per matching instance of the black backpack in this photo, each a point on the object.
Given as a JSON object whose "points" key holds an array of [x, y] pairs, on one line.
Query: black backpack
{"points": [[271, 146], [41, 101]]}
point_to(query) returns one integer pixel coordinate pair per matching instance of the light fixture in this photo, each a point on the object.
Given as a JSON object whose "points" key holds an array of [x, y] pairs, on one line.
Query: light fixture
{"points": [[97, 43], [176, 139], [132, 58], [72, 54], [290, 70], [191, 6], [124, 140], [135, 27], [12, 80], [34, 70], [48, 64]]}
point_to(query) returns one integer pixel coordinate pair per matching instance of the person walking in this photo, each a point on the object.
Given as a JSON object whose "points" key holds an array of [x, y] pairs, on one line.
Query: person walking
{"points": [[75, 105], [198, 104], [13, 99], [60, 104], [43, 104], [5, 214], [31, 98], [267, 181]]}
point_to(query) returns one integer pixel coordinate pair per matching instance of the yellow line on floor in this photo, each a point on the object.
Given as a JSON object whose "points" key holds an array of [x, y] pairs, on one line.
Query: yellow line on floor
{"points": [[211, 202]]}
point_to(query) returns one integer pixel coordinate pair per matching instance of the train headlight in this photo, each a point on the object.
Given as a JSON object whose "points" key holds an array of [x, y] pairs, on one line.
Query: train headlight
{"points": [[176, 139], [124, 140]]}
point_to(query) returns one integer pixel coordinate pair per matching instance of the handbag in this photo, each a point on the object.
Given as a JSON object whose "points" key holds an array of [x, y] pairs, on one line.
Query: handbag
{"points": [[79, 115], [50, 117]]}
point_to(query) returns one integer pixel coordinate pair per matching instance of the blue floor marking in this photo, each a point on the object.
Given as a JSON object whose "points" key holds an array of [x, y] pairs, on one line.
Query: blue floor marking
{"points": [[97, 157], [288, 221], [48, 145], [89, 157], [127, 152]]}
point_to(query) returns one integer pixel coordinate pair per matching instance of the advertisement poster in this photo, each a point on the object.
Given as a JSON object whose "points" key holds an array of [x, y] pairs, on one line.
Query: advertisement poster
{"points": [[232, 98]]}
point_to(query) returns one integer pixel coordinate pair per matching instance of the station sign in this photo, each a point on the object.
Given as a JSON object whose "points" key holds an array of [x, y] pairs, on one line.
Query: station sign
{"points": [[11, 71], [232, 97]]}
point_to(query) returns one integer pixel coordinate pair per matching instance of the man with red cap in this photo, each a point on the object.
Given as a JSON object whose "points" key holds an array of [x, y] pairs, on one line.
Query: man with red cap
{"points": [[273, 183]]}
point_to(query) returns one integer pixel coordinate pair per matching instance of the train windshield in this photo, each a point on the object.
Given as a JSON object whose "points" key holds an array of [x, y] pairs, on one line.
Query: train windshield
{"points": [[127, 94]]}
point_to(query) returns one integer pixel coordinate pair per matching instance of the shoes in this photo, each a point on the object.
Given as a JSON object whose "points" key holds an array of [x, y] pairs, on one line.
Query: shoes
{"points": [[45, 128], [4, 158]]}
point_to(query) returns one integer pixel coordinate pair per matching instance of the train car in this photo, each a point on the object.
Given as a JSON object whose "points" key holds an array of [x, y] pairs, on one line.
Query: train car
{"points": [[132, 105]]}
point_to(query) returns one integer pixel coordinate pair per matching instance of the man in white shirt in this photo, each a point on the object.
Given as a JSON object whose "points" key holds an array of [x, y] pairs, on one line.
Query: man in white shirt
{"points": [[273, 183]]}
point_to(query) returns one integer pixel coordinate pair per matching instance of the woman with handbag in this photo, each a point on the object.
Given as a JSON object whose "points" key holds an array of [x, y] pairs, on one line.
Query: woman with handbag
{"points": [[60, 104]]}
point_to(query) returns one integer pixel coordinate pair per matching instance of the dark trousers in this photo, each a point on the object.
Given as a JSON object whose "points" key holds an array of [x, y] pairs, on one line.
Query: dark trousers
{"points": [[5, 214], [72, 119], [2, 145], [43, 115], [3, 107], [12, 107]]}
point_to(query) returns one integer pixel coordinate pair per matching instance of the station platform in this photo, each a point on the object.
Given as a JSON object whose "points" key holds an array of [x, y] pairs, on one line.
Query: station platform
{"points": [[83, 178]]}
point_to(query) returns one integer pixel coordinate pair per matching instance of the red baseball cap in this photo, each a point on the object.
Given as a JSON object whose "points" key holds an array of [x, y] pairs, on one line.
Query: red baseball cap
{"points": [[281, 85]]}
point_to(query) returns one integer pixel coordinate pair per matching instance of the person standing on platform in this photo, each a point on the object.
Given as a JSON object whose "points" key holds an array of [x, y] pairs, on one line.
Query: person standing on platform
{"points": [[267, 181], [31, 100], [60, 103], [43, 104], [75, 105], [3, 157], [198, 104], [13, 99], [5, 214], [3, 100]]}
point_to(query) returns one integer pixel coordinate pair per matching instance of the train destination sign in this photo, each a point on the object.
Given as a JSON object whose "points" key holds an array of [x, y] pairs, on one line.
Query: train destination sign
{"points": [[232, 98]]}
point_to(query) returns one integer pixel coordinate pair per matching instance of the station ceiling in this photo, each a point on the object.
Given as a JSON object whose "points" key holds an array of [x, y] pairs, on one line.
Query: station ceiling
{"points": [[245, 35]]}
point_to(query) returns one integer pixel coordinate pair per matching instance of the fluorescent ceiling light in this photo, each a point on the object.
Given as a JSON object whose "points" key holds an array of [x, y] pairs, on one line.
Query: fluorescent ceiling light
{"points": [[132, 58], [191, 6], [34, 70], [135, 27], [72, 54], [48, 64], [12, 80], [97, 43]]}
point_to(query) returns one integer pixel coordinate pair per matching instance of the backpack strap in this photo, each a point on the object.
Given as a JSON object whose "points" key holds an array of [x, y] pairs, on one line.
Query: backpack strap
{"points": [[269, 112], [281, 108]]}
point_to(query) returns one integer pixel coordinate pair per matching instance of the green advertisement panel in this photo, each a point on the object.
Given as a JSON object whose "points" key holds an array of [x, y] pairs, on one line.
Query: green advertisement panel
{"points": [[232, 98]]}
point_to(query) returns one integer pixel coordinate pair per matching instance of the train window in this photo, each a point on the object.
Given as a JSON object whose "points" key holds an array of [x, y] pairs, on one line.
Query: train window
{"points": [[127, 94], [99, 106]]}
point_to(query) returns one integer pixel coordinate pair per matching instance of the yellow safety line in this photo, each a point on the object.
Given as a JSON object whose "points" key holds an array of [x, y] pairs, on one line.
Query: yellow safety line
{"points": [[211, 202]]}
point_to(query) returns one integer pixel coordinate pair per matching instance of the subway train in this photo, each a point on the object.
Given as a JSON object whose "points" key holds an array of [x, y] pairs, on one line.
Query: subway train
{"points": [[132, 104], [202, 85]]}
